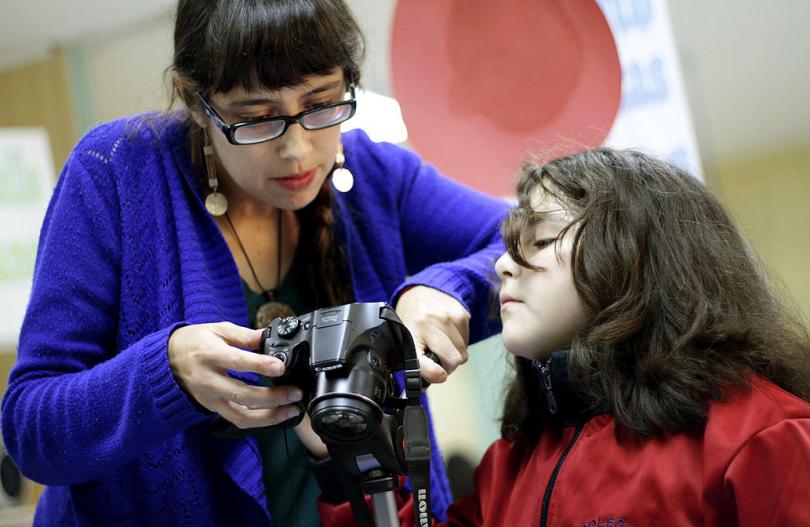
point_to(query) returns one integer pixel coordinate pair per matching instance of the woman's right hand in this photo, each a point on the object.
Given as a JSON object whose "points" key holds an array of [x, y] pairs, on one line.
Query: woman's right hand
{"points": [[201, 354]]}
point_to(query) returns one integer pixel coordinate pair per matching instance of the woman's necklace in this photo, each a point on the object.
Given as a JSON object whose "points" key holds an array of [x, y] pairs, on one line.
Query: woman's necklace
{"points": [[271, 309]]}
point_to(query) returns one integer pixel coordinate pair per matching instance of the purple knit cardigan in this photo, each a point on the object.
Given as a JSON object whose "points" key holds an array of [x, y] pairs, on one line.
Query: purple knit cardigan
{"points": [[126, 254]]}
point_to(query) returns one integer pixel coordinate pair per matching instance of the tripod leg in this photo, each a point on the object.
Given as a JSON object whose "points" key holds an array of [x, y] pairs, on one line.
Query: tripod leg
{"points": [[385, 509]]}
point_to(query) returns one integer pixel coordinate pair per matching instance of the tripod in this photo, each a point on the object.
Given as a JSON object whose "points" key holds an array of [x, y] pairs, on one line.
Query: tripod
{"points": [[373, 468], [381, 486]]}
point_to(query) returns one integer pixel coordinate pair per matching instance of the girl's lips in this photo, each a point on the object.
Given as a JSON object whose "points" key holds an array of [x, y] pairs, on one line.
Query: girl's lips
{"points": [[506, 299], [508, 303], [296, 181]]}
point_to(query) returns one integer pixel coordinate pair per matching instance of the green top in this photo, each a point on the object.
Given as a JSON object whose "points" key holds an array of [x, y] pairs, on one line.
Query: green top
{"points": [[290, 486]]}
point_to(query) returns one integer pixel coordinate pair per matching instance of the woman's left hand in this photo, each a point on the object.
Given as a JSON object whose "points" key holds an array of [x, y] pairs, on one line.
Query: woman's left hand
{"points": [[439, 323]]}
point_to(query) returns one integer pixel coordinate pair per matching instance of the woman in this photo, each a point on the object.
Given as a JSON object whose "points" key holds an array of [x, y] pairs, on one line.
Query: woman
{"points": [[168, 234]]}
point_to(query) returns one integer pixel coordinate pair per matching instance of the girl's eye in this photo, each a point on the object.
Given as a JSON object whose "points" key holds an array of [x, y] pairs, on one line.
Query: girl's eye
{"points": [[544, 242]]}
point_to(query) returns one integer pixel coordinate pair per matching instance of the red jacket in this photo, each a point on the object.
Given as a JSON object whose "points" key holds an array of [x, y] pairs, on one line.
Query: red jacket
{"points": [[750, 467]]}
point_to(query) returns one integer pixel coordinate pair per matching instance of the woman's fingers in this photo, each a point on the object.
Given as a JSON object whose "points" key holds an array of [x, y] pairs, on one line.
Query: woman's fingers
{"points": [[448, 342], [230, 358], [448, 353], [255, 418], [249, 406], [431, 371], [252, 397], [238, 336], [201, 355], [439, 323]]}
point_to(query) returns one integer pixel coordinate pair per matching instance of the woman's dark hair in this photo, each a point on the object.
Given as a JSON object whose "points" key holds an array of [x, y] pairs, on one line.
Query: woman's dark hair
{"points": [[220, 45], [681, 312]]}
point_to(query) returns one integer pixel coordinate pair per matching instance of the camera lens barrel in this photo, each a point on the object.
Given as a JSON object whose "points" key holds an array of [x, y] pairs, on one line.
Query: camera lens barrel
{"points": [[345, 419], [349, 407]]}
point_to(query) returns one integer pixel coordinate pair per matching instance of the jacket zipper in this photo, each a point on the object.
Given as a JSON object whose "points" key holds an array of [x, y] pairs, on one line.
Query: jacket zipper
{"points": [[545, 372], [555, 473]]}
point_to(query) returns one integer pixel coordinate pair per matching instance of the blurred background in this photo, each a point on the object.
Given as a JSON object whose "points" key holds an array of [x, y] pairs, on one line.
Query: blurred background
{"points": [[719, 86]]}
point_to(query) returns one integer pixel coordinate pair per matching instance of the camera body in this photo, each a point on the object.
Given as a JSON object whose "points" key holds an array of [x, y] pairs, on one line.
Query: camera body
{"points": [[343, 359]]}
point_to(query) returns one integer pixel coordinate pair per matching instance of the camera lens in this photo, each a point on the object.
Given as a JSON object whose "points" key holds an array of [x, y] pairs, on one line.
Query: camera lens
{"points": [[344, 419], [344, 422]]}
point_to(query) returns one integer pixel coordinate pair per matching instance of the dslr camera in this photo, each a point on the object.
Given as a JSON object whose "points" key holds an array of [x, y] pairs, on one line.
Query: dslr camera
{"points": [[344, 358], [357, 368]]}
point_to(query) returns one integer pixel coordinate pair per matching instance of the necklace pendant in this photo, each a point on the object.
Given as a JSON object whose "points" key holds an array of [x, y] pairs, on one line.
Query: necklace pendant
{"points": [[270, 311]]}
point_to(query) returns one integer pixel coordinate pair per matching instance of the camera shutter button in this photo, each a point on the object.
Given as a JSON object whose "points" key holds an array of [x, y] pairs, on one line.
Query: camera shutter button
{"points": [[288, 327]]}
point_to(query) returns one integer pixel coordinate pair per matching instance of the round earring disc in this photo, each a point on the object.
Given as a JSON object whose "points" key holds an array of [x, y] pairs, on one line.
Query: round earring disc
{"points": [[342, 179], [216, 204]]}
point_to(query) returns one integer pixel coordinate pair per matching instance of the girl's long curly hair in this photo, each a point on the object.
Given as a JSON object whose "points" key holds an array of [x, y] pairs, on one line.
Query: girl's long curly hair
{"points": [[682, 311]]}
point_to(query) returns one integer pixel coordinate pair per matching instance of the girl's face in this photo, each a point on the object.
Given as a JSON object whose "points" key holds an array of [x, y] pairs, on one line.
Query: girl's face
{"points": [[541, 309], [288, 171]]}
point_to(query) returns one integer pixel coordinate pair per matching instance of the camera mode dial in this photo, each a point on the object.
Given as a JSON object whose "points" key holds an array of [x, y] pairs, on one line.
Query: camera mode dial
{"points": [[288, 327]]}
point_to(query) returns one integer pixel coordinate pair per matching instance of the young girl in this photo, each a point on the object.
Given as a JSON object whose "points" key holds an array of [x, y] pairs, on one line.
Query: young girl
{"points": [[659, 382]]}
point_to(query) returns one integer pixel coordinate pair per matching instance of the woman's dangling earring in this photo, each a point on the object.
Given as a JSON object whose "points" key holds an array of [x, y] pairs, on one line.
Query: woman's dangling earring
{"points": [[215, 202], [342, 178]]}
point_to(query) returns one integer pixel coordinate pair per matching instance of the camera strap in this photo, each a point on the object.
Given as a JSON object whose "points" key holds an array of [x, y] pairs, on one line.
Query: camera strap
{"points": [[417, 457], [417, 438]]}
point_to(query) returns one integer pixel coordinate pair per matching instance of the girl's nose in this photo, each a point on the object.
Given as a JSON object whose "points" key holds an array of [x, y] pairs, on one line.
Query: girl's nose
{"points": [[506, 267]]}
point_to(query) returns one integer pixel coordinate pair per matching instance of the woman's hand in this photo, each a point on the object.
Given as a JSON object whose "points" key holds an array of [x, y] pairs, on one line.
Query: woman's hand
{"points": [[199, 357], [310, 439], [439, 323]]}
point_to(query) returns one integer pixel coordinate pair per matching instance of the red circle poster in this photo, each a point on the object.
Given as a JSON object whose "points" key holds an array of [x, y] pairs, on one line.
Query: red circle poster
{"points": [[483, 84]]}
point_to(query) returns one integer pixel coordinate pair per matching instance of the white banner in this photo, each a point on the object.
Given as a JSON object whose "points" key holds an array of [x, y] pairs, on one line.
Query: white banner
{"points": [[654, 115], [26, 183]]}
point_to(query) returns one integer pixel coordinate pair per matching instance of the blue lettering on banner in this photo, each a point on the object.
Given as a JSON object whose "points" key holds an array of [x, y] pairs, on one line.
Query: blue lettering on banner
{"points": [[644, 84], [625, 15]]}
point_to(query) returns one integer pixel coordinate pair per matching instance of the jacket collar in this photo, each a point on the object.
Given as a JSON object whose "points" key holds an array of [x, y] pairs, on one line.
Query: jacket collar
{"points": [[559, 400]]}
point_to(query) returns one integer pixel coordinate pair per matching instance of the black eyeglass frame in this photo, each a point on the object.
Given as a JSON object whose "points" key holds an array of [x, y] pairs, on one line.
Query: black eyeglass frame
{"points": [[230, 129]]}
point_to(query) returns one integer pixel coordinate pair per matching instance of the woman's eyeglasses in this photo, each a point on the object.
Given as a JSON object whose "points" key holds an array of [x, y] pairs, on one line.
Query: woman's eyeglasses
{"points": [[268, 128]]}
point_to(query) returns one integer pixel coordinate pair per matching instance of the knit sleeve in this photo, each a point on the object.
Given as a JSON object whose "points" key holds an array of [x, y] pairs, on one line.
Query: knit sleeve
{"points": [[78, 407], [452, 239]]}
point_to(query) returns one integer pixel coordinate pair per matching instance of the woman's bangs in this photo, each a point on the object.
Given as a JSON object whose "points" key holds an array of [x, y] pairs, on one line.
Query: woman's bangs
{"points": [[273, 48]]}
